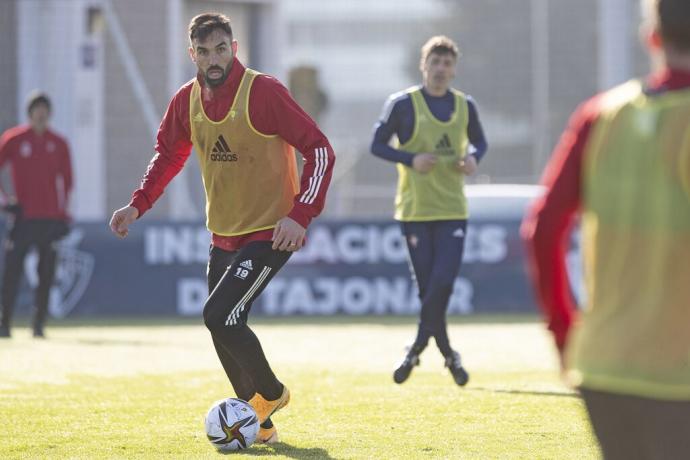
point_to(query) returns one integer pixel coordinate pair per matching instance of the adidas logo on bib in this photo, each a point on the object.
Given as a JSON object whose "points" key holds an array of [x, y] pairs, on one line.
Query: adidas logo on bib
{"points": [[444, 147], [221, 151], [247, 264]]}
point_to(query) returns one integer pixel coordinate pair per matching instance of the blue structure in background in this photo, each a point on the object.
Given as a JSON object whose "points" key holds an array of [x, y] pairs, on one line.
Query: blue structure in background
{"points": [[347, 267]]}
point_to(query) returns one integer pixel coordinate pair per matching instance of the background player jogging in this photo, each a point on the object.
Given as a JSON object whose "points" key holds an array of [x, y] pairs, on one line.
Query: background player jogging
{"points": [[436, 126], [243, 126]]}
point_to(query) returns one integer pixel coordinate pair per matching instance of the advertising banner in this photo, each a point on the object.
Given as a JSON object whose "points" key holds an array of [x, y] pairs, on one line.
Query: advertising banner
{"points": [[346, 267]]}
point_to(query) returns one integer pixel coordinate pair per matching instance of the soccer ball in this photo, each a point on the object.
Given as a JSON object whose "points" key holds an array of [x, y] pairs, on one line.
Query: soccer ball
{"points": [[231, 424]]}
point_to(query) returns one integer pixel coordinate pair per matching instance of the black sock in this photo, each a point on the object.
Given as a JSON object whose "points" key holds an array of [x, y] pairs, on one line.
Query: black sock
{"points": [[416, 349], [240, 380], [241, 342]]}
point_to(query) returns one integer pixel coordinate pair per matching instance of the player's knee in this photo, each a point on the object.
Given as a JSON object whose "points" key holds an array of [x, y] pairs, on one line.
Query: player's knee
{"points": [[212, 319], [442, 287], [216, 321]]}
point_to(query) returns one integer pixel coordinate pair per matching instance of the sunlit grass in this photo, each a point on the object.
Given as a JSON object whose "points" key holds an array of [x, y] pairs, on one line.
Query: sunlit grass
{"points": [[140, 389]]}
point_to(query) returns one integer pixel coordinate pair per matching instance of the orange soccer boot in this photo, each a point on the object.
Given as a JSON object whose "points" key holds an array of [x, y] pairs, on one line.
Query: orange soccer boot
{"points": [[267, 435], [264, 408]]}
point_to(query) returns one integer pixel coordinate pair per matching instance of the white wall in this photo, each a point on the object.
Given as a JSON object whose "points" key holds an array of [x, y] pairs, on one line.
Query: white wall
{"points": [[53, 46]]}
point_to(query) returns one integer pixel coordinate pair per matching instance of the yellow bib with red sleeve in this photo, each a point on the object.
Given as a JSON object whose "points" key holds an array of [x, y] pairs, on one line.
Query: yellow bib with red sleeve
{"points": [[250, 178], [635, 333]]}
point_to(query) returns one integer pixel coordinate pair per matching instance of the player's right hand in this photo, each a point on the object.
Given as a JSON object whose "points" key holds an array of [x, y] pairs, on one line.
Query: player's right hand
{"points": [[423, 162], [121, 220]]}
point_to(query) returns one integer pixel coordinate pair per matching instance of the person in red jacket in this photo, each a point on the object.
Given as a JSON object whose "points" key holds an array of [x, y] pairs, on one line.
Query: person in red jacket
{"points": [[623, 166], [244, 127], [41, 173]]}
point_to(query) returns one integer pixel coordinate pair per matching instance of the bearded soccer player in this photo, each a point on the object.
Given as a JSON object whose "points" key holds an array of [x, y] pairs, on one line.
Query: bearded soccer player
{"points": [[623, 165], [439, 141], [244, 127]]}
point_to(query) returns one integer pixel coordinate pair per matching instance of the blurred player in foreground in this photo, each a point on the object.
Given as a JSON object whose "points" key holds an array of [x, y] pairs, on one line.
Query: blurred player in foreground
{"points": [[623, 165]]}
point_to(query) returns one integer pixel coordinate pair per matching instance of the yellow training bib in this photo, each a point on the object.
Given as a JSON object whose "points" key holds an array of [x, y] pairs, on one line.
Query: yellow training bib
{"points": [[250, 178], [635, 333], [439, 194]]}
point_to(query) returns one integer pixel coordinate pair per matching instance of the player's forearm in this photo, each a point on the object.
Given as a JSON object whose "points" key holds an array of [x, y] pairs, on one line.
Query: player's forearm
{"points": [[545, 233], [316, 178], [547, 225], [380, 148], [162, 169], [547, 260], [173, 146], [475, 132], [290, 122], [388, 153]]}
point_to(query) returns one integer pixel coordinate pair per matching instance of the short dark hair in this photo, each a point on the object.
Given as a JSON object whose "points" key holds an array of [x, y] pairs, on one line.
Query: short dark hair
{"points": [[439, 44], [202, 25], [37, 98], [673, 18]]}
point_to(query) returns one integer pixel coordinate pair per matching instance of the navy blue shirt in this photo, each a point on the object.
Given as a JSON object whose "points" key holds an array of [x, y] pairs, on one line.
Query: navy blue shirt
{"points": [[398, 118]]}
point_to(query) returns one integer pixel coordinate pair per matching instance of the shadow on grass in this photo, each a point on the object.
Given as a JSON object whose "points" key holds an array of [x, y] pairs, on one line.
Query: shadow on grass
{"points": [[286, 450], [566, 394]]}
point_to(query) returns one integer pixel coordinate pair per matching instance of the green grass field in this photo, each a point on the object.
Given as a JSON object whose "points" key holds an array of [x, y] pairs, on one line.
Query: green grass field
{"points": [[140, 389]]}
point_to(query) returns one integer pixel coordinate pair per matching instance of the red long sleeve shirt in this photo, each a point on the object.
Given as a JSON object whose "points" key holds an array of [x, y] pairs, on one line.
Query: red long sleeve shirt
{"points": [[272, 111], [547, 224], [41, 171]]}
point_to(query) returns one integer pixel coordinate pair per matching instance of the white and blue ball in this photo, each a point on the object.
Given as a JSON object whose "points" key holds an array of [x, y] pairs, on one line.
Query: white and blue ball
{"points": [[231, 424]]}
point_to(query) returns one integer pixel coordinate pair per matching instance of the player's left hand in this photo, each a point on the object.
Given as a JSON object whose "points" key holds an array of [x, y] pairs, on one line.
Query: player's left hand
{"points": [[467, 165], [288, 235]]}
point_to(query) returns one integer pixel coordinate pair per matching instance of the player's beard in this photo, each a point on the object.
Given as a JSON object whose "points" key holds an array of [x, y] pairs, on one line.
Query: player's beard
{"points": [[214, 82]]}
